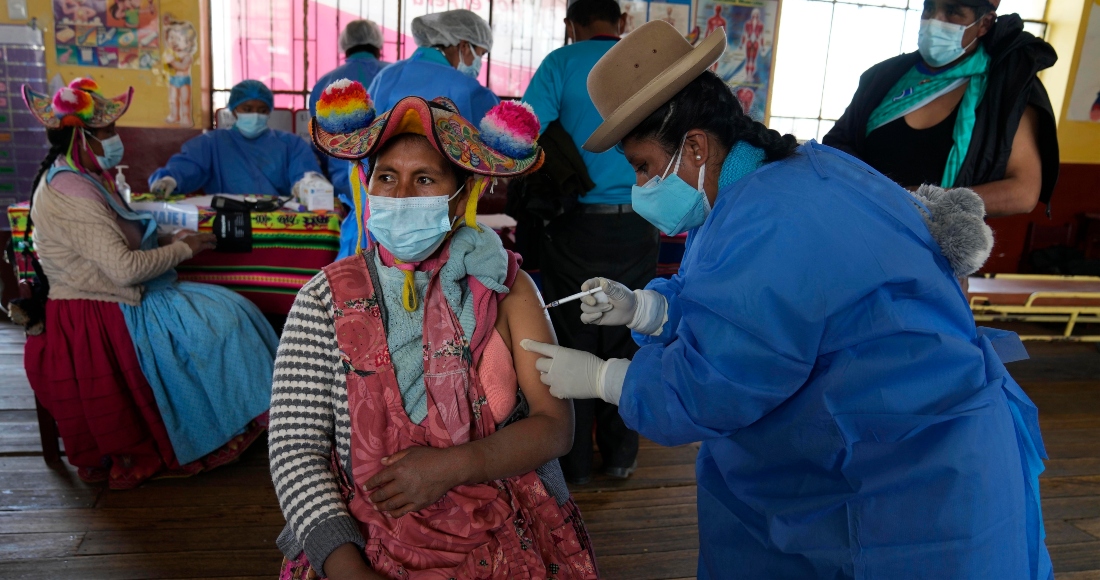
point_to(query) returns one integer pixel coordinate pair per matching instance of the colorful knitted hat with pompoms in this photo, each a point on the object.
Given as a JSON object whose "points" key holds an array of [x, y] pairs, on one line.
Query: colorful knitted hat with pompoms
{"points": [[511, 128], [73, 106], [84, 84], [80, 104], [344, 107]]}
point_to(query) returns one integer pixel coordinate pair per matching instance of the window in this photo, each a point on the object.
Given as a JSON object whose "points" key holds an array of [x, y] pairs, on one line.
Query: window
{"points": [[825, 45], [288, 44]]}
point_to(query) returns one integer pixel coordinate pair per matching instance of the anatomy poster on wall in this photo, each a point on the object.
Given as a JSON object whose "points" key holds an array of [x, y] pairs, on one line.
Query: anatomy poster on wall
{"points": [[1084, 103], [675, 14], [750, 40], [636, 13], [107, 33]]}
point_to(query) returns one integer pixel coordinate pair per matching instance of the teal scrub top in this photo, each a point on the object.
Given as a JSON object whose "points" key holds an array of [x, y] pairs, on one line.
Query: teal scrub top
{"points": [[559, 92]]}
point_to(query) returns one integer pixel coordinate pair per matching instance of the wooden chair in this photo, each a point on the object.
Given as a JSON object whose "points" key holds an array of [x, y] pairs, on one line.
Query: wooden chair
{"points": [[47, 431]]}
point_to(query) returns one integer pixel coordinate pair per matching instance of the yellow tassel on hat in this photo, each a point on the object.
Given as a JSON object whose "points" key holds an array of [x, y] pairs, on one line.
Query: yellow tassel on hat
{"points": [[356, 188], [480, 183]]}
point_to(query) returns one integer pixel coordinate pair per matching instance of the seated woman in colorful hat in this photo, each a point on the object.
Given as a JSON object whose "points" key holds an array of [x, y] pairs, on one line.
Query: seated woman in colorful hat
{"points": [[146, 376], [410, 434]]}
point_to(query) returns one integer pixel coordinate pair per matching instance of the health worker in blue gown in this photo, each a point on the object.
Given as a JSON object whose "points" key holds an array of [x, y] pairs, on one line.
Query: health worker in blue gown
{"points": [[447, 62], [361, 43], [246, 158], [854, 421]]}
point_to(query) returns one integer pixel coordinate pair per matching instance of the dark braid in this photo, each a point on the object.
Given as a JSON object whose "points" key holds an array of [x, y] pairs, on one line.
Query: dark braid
{"points": [[30, 312], [707, 103], [59, 145]]}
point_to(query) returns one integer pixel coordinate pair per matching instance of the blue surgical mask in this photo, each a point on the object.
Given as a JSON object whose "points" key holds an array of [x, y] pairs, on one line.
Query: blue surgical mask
{"points": [[669, 203], [251, 124], [940, 43], [470, 70], [411, 228], [112, 151]]}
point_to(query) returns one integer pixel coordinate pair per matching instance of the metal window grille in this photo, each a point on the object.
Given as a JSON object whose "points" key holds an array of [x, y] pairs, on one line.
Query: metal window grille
{"points": [[289, 44]]}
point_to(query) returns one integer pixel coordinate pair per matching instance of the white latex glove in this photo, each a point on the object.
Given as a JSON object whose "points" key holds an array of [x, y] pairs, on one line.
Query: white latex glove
{"points": [[613, 306], [575, 374], [163, 186], [645, 311]]}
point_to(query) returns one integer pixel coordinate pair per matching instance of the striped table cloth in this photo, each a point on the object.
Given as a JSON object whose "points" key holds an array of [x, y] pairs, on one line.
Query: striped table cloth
{"points": [[288, 248]]}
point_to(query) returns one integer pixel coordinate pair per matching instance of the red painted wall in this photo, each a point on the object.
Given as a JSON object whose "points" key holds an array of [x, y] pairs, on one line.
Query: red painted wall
{"points": [[1077, 192]]}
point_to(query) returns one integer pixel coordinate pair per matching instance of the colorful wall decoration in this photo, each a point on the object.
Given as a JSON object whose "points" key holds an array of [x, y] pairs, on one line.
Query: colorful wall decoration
{"points": [[181, 45], [747, 64], [122, 43], [107, 33]]}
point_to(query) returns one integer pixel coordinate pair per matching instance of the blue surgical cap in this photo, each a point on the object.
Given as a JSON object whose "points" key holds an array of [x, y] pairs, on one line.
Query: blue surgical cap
{"points": [[248, 90]]}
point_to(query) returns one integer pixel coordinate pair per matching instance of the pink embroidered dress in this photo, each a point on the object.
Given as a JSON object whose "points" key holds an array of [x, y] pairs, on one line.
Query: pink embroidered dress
{"points": [[510, 528]]}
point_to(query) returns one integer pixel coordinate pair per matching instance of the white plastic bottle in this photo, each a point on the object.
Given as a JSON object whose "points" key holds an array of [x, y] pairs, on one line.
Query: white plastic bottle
{"points": [[120, 183]]}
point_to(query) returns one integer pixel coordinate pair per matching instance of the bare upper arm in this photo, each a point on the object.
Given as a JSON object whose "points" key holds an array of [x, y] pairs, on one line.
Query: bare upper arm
{"points": [[1025, 163], [522, 316], [1018, 191]]}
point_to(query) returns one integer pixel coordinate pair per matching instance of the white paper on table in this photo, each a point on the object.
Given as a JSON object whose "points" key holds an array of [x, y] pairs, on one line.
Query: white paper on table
{"points": [[170, 217], [497, 221]]}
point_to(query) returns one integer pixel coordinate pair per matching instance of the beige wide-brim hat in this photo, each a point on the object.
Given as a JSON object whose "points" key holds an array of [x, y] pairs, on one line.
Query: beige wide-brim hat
{"points": [[640, 73]]}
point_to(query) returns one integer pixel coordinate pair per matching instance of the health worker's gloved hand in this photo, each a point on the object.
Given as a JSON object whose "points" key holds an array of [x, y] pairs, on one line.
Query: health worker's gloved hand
{"points": [[575, 374], [613, 306], [163, 187], [645, 311]]}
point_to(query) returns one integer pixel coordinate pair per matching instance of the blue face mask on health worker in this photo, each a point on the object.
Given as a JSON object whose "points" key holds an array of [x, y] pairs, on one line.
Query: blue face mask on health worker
{"points": [[668, 202]]}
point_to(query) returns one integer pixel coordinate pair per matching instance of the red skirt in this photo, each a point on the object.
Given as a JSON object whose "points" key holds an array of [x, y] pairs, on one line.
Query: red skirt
{"points": [[85, 372]]}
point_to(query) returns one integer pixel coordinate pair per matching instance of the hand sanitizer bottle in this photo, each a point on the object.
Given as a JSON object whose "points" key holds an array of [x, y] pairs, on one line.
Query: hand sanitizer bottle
{"points": [[120, 183]]}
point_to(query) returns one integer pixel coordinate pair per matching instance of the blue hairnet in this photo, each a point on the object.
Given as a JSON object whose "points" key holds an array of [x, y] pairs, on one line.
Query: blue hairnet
{"points": [[248, 90]]}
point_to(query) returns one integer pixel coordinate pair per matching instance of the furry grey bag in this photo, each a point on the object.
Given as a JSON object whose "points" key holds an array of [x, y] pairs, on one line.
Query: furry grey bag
{"points": [[957, 223]]}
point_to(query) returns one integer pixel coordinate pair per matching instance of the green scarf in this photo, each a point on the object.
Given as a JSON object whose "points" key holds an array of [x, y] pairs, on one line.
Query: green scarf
{"points": [[917, 88]]}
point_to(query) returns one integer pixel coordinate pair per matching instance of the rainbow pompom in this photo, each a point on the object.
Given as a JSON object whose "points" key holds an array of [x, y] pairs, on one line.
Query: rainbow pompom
{"points": [[344, 107], [511, 128], [84, 84], [73, 107]]}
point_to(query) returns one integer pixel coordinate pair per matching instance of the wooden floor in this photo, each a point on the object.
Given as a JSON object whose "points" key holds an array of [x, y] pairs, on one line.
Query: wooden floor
{"points": [[223, 524]]}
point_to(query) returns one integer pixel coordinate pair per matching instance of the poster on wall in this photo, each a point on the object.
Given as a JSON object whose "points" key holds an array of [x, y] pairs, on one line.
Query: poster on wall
{"points": [[636, 13], [750, 39], [673, 13], [107, 33], [181, 44], [1084, 103]]}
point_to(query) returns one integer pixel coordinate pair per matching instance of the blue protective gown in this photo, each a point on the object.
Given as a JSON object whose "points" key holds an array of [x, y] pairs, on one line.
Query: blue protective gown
{"points": [[362, 67], [223, 161], [855, 423], [425, 74]]}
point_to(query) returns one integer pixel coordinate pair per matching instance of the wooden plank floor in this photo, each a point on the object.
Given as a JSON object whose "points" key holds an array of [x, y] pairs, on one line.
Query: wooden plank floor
{"points": [[223, 524]]}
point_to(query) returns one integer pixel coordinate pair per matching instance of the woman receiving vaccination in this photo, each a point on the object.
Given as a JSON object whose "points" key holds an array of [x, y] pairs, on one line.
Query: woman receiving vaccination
{"points": [[855, 423], [411, 436], [146, 376]]}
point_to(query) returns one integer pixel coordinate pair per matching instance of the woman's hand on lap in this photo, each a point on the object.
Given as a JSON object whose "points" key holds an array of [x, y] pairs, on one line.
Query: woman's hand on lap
{"points": [[414, 479], [197, 242]]}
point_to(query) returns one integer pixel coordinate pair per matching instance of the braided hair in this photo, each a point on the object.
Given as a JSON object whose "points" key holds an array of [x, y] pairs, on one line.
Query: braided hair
{"points": [[708, 104], [30, 312], [59, 145]]}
